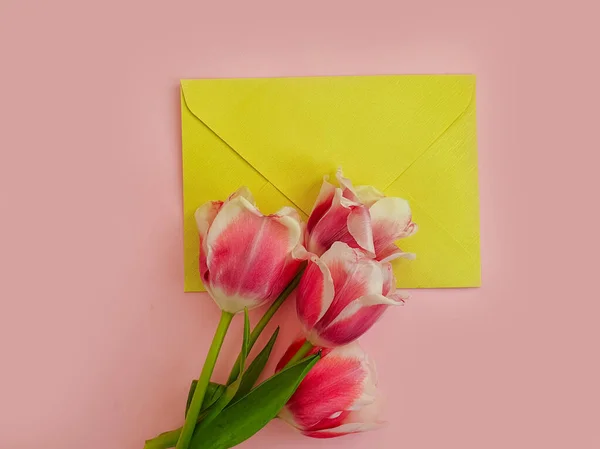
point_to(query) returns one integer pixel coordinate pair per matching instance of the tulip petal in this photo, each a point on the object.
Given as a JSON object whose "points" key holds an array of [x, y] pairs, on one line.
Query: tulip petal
{"points": [[389, 280], [353, 275], [369, 385], [391, 219], [290, 269], [297, 255], [334, 226], [247, 252], [362, 419], [356, 318], [331, 422], [205, 215], [389, 285], [344, 429], [322, 204], [392, 252], [315, 293], [332, 386], [368, 195], [293, 213], [399, 296], [243, 192], [346, 185], [203, 266], [359, 226], [288, 212]]}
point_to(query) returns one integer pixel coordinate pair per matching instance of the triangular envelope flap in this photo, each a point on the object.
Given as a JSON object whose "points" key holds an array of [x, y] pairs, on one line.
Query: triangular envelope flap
{"points": [[294, 130]]}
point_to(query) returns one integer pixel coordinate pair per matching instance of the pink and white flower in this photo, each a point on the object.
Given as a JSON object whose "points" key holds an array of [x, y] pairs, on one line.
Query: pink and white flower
{"points": [[247, 258], [342, 294], [362, 217], [337, 397]]}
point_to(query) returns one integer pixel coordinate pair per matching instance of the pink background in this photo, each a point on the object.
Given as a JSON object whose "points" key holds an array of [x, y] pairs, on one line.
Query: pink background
{"points": [[98, 340]]}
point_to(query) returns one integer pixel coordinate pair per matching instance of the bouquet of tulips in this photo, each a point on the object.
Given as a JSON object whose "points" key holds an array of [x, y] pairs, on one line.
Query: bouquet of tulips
{"points": [[339, 265]]}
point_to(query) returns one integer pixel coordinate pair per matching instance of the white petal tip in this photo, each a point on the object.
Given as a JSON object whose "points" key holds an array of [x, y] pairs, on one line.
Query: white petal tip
{"points": [[243, 192], [400, 297], [409, 256]]}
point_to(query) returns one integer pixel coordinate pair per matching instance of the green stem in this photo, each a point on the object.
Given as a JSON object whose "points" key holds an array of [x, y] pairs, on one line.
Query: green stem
{"points": [[302, 352], [260, 326], [209, 365]]}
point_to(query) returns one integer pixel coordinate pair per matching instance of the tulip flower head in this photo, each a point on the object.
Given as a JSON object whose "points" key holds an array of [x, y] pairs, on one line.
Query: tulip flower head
{"points": [[337, 397], [342, 294], [247, 258], [362, 217]]}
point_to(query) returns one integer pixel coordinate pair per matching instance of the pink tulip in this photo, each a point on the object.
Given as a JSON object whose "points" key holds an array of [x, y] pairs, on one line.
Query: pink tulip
{"points": [[342, 294], [362, 217], [247, 258], [337, 397]]}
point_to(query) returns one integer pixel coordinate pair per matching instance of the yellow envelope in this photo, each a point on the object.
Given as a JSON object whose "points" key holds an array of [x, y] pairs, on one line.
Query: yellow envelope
{"points": [[410, 136]]}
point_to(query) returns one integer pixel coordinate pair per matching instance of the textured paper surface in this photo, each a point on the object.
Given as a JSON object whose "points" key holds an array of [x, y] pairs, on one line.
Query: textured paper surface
{"points": [[410, 136]]}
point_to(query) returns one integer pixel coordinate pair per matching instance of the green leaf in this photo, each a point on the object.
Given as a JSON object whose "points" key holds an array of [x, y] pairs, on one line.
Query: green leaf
{"points": [[213, 392], [244, 418], [165, 440], [256, 367], [221, 403]]}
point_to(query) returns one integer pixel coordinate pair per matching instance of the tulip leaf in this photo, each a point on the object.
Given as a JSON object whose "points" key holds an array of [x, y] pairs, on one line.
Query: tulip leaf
{"points": [[221, 403], [213, 392], [243, 418], [256, 368]]}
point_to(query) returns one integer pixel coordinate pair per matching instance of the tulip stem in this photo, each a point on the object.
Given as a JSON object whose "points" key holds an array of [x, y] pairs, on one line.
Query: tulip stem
{"points": [[209, 365], [302, 352], [260, 326]]}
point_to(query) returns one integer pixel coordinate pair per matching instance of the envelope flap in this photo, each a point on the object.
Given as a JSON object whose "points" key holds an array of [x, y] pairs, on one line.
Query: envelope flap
{"points": [[292, 130]]}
